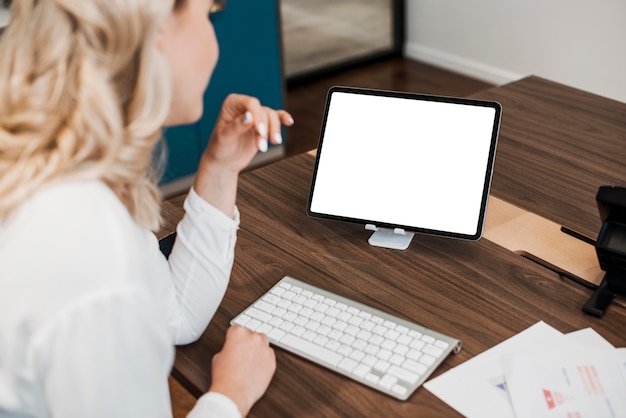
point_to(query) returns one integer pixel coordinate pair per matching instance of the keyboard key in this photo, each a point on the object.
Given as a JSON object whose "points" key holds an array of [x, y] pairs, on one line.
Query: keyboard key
{"points": [[396, 359], [340, 325], [310, 303], [402, 329], [324, 330], [383, 354], [403, 374], [278, 291], [347, 364], [344, 316], [273, 299], [264, 328], [299, 299], [401, 349], [306, 311], [361, 370], [321, 340], [388, 381], [413, 354], [347, 339], [257, 314], [333, 345], [372, 349], [389, 324], [351, 330], [399, 389], [365, 315], [309, 335], [379, 330], [381, 366], [404, 339], [300, 320], [427, 360], [242, 319], [294, 307], [388, 345], [253, 324], [286, 326], [415, 334], [344, 350], [264, 306], [442, 344], [370, 377], [369, 360], [352, 310], [279, 312], [417, 344], [359, 344], [428, 339], [415, 367], [297, 331], [392, 335], [376, 340], [310, 349], [432, 350], [321, 307], [357, 355], [312, 325], [276, 334]]}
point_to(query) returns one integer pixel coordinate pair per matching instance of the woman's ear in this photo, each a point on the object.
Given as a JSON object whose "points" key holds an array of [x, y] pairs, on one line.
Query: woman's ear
{"points": [[162, 33], [5, 16]]}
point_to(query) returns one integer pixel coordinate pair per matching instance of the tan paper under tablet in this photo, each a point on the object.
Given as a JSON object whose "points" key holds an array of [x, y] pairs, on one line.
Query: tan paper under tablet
{"points": [[538, 238]]}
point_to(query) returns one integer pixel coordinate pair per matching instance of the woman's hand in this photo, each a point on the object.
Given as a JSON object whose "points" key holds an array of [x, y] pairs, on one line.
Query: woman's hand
{"points": [[244, 368], [243, 128]]}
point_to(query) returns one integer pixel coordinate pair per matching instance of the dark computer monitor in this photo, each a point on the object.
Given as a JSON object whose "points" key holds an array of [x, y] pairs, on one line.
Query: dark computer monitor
{"points": [[402, 163]]}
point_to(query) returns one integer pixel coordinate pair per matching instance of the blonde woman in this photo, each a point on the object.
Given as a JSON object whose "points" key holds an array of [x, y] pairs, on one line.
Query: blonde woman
{"points": [[89, 308]]}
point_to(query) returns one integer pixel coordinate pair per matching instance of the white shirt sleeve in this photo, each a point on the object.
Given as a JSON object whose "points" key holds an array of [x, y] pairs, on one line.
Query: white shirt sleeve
{"points": [[200, 266]]}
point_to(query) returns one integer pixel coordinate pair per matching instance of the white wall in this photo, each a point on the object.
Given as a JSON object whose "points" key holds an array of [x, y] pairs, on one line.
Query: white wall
{"points": [[581, 43]]}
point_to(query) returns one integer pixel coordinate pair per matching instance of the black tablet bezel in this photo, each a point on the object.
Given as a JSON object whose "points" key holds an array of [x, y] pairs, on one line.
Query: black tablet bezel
{"points": [[414, 96]]}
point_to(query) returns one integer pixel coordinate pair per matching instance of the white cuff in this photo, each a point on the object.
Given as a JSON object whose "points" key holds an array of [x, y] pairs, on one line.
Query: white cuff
{"points": [[197, 204], [213, 404]]}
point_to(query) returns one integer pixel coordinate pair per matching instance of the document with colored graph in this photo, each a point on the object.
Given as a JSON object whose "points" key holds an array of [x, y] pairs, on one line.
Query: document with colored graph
{"points": [[577, 383]]}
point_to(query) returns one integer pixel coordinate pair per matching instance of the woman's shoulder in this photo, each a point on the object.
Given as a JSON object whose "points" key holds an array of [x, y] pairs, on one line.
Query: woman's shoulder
{"points": [[68, 225], [75, 207]]}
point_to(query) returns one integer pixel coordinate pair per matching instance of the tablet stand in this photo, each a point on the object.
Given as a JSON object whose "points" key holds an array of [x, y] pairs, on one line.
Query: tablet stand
{"points": [[396, 239]]}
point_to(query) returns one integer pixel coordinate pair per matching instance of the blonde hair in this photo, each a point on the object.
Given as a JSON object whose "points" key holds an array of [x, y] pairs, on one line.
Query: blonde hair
{"points": [[84, 91]]}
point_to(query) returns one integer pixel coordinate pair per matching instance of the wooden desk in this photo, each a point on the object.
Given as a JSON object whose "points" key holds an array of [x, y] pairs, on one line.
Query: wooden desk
{"points": [[478, 292]]}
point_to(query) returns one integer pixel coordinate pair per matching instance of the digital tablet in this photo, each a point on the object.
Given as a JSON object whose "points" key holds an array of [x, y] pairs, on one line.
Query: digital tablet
{"points": [[402, 163]]}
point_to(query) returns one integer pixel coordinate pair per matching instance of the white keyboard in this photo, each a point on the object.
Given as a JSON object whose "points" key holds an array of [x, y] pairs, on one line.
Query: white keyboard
{"points": [[379, 350]]}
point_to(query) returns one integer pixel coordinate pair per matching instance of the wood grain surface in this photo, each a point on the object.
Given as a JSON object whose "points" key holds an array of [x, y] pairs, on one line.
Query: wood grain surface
{"points": [[478, 292]]}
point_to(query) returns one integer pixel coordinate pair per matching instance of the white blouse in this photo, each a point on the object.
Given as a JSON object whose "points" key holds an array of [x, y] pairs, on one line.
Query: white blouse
{"points": [[90, 310]]}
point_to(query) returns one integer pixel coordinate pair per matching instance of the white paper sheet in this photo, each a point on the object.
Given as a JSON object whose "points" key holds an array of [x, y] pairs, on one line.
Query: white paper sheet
{"points": [[476, 388]]}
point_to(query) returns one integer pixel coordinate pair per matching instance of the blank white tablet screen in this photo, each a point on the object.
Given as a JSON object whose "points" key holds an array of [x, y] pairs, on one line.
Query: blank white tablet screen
{"points": [[415, 163]]}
